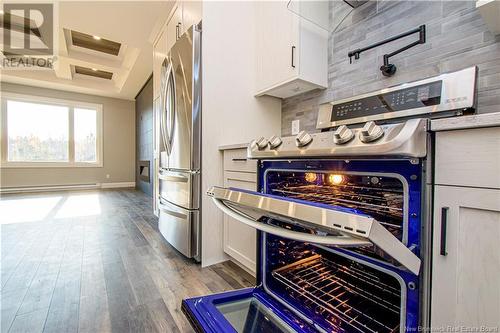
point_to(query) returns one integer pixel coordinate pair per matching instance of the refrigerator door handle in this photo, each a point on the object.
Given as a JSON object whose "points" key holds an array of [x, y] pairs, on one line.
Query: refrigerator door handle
{"points": [[173, 109], [168, 101]]}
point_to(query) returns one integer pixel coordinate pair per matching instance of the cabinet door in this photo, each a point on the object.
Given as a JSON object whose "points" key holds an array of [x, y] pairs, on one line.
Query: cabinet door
{"points": [[159, 53], [277, 43], [466, 258], [173, 26], [191, 14], [240, 239]]}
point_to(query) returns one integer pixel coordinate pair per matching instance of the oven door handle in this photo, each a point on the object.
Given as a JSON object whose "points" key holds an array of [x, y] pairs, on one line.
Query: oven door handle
{"points": [[295, 235], [352, 226]]}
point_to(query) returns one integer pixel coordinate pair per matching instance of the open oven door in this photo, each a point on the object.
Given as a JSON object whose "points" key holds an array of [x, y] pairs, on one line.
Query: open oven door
{"points": [[254, 309], [336, 226]]}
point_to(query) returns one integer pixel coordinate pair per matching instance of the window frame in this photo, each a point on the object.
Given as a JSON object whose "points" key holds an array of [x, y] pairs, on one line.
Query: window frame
{"points": [[71, 105]]}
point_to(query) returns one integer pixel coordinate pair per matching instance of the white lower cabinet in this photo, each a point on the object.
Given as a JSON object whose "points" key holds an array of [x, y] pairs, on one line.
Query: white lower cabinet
{"points": [[466, 258], [240, 239]]}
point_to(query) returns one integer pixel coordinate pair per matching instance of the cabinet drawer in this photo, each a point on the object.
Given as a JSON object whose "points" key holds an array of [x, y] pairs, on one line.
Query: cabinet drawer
{"points": [[468, 157], [244, 180], [236, 160]]}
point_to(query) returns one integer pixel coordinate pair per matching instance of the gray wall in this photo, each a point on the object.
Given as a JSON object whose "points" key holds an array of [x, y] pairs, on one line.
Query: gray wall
{"points": [[457, 37], [118, 145], [144, 130]]}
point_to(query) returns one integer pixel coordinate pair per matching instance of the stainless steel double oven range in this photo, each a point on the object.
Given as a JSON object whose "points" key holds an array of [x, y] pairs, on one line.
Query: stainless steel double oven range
{"points": [[343, 218]]}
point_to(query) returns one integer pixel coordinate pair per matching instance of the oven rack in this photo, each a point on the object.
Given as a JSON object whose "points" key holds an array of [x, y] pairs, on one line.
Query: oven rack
{"points": [[386, 202], [344, 294], [344, 187], [391, 210]]}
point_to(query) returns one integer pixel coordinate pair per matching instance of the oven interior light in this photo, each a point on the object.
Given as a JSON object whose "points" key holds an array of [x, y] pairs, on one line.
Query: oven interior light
{"points": [[311, 177], [335, 179]]}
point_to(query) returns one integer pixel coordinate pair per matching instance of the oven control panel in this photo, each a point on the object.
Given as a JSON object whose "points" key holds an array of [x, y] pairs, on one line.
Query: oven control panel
{"points": [[428, 94], [407, 139], [447, 92]]}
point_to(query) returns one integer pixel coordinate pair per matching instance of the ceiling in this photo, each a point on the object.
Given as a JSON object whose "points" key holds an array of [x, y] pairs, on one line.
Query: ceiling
{"points": [[132, 24]]}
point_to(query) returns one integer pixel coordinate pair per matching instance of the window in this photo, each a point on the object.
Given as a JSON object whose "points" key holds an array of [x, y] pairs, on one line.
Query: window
{"points": [[85, 135], [49, 132], [37, 132]]}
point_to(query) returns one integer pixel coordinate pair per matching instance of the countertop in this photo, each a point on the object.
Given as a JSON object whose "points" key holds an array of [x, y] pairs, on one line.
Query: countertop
{"points": [[234, 146], [465, 122]]}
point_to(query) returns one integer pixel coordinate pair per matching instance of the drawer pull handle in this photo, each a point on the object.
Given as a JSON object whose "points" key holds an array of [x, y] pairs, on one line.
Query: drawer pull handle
{"points": [[165, 209], [444, 222], [239, 159]]}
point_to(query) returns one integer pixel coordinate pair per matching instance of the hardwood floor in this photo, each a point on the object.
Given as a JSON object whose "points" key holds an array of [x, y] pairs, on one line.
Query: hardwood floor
{"points": [[94, 261]]}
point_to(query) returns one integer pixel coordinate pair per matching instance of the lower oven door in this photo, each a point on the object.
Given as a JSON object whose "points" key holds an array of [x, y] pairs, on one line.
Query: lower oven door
{"points": [[336, 226], [245, 310]]}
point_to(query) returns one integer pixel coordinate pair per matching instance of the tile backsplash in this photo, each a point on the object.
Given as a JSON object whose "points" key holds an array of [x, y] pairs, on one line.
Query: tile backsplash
{"points": [[457, 37]]}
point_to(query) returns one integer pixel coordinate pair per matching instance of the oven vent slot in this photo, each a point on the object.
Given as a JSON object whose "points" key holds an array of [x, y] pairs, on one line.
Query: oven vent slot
{"points": [[349, 296]]}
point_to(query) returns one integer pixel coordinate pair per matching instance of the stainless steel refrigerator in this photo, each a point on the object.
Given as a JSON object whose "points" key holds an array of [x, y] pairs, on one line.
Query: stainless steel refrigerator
{"points": [[180, 158]]}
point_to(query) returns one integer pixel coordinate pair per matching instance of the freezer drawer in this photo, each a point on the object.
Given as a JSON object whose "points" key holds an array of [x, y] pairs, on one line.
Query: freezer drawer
{"points": [[179, 227], [180, 188], [247, 310]]}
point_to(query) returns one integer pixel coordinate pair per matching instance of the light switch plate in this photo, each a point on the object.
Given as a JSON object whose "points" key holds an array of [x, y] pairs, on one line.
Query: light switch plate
{"points": [[295, 127]]}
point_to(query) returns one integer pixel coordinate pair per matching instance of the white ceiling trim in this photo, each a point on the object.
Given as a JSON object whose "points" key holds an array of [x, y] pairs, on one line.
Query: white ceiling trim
{"points": [[133, 24]]}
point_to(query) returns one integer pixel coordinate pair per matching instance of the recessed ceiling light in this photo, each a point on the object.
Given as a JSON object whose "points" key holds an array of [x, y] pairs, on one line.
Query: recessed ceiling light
{"points": [[95, 43], [97, 73]]}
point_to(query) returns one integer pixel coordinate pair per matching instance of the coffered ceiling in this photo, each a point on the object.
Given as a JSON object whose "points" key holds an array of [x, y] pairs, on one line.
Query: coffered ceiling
{"points": [[102, 48]]}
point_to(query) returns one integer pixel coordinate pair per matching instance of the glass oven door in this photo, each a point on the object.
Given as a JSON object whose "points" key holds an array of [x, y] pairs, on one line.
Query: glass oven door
{"points": [[333, 225], [248, 310]]}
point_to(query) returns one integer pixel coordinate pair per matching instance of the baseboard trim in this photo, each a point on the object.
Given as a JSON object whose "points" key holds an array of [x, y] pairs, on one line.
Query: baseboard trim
{"points": [[118, 185], [51, 188]]}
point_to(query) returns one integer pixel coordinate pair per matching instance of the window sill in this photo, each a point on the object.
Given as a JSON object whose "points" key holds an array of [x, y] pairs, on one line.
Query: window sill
{"points": [[15, 165]]}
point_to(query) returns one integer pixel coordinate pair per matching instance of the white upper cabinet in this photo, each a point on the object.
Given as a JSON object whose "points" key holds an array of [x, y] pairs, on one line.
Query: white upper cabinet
{"points": [[159, 53], [490, 10], [174, 26], [292, 52], [184, 14], [191, 14]]}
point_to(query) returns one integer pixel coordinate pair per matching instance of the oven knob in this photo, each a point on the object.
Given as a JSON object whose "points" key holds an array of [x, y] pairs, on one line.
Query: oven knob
{"points": [[274, 142], [342, 135], [303, 139], [371, 132], [261, 143]]}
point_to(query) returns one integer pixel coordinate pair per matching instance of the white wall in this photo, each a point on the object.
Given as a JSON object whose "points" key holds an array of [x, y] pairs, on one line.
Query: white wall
{"points": [[230, 112]]}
